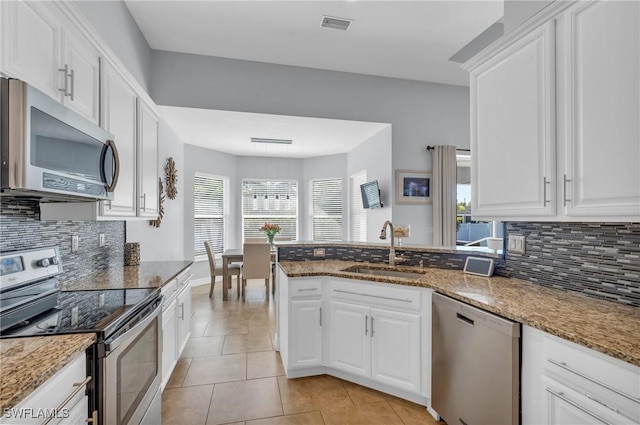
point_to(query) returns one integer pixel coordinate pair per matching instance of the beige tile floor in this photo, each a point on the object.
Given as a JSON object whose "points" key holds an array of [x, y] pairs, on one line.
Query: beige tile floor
{"points": [[229, 373]]}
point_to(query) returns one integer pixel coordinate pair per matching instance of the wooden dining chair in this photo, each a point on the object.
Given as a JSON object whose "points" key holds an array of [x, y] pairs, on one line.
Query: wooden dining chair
{"points": [[256, 264], [234, 270]]}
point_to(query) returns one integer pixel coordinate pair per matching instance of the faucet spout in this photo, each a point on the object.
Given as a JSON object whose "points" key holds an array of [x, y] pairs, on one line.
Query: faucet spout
{"points": [[383, 236]]}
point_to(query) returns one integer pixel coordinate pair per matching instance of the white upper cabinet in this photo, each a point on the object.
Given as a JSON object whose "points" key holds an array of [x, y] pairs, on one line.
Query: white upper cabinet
{"points": [[513, 129], [602, 113], [119, 103], [42, 48], [555, 117], [148, 204], [31, 45]]}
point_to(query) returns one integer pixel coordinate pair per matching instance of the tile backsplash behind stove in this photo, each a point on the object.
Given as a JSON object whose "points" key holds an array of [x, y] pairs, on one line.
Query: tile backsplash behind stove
{"points": [[599, 259], [21, 228]]}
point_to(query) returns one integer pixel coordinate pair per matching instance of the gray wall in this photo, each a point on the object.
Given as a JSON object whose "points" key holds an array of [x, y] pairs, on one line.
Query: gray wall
{"points": [[517, 11], [166, 241], [421, 113], [374, 156], [117, 27]]}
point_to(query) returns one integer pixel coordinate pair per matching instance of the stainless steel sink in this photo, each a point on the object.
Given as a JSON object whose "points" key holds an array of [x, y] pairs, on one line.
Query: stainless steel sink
{"points": [[386, 272]]}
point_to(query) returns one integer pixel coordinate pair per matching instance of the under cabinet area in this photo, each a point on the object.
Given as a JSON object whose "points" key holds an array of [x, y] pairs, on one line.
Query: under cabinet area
{"points": [[564, 383], [176, 321], [554, 117], [371, 333]]}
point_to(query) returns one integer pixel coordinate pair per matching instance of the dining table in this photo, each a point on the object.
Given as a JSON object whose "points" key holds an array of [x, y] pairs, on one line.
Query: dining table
{"points": [[235, 256]]}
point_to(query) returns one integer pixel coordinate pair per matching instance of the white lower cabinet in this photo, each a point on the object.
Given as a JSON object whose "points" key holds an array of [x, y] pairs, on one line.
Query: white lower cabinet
{"points": [[564, 384], [306, 331], [375, 334], [176, 322], [62, 395]]}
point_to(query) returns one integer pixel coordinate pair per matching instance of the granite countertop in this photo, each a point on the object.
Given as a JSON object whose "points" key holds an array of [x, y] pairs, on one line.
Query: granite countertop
{"points": [[23, 367], [149, 274], [607, 327]]}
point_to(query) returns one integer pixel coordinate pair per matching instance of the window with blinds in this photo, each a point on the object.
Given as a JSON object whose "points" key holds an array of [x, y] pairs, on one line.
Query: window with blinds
{"points": [[326, 209], [210, 206], [357, 214], [269, 201]]}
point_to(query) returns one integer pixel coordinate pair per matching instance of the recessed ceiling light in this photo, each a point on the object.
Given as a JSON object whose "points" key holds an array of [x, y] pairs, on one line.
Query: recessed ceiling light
{"points": [[334, 23], [275, 141]]}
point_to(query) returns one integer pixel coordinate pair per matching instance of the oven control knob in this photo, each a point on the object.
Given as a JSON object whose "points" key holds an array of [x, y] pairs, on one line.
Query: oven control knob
{"points": [[54, 260], [43, 262]]}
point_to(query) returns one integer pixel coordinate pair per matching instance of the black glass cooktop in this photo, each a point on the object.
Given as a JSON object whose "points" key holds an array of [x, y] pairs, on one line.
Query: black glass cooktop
{"points": [[99, 311]]}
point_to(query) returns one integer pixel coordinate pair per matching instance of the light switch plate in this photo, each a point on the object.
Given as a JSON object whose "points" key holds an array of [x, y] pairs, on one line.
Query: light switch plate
{"points": [[517, 244], [101, 240], [318, 252], [74, 243]]}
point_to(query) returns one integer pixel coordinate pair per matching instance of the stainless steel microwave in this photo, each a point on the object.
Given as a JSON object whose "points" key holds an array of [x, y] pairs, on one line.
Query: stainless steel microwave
{"points": [[50, 152]]}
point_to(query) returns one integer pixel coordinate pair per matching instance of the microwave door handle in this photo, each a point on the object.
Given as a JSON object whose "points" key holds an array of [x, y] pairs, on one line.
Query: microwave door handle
{"points": [[116, 167], [112, 344]]}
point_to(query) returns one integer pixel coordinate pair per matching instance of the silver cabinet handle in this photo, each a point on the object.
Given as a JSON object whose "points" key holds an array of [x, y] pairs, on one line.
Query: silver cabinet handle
{"points": [[79, 386], [564, 366], [371, 326], [565, 180], [404, 300], [545, 201], [65, 89], [320, 316], [562, 397], [144, 202], [366, 324], [307, 289], [181, 317], [73, 84]]}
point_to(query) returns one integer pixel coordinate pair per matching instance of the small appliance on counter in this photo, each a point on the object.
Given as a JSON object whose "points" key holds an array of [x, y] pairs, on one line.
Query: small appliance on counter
{"points": [[127, 324]]}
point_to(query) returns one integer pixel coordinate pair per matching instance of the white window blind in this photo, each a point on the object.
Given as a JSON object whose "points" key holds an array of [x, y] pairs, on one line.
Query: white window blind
{"points": [[357, 214], [269, 201], [210, 199], [326, 209]]}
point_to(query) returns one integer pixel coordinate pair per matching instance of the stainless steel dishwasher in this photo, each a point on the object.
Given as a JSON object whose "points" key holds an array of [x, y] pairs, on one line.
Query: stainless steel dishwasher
{"points": [[475, 365]]}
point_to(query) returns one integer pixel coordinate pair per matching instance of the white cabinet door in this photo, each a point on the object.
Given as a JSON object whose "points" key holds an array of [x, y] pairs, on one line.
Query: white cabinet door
{"points": [[119, 118], [83, 62], [513, 129], [169, 336], [147, 162], [306, 333], [563, 406], [395, 349], [350, 343], [31, 45], [184, 318], [603, 110]]}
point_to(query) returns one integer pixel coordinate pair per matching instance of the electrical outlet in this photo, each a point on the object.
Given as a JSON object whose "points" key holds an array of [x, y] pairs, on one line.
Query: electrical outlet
{"points": [[100, 300], [517, 244], [74, 243], [318, 252], [101, 240]]}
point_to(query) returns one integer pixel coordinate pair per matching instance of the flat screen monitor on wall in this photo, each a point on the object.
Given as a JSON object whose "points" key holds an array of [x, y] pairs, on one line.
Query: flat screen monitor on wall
{"points": [[371, 195]]}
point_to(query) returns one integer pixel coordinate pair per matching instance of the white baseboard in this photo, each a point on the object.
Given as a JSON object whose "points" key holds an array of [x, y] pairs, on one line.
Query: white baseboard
{"points": [[203, 281]]}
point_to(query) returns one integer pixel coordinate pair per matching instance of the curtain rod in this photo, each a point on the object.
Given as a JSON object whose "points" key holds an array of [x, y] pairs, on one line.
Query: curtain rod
{"points": [[430, 148]]}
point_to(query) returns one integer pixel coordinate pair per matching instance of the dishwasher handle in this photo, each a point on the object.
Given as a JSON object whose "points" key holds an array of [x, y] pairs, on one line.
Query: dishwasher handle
{"points": [[465, 319]]}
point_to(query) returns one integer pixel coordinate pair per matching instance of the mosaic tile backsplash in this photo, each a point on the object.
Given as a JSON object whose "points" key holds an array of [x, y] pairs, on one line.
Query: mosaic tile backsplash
{"points": [[598, 259], [21, 228]]}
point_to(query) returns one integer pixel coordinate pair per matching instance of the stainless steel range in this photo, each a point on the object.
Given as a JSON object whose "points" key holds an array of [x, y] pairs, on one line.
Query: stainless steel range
{"points": [[125, 362]]}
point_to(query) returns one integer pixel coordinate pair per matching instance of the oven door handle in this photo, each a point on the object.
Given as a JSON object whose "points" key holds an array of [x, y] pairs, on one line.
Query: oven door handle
{"points": [[147, 317]]}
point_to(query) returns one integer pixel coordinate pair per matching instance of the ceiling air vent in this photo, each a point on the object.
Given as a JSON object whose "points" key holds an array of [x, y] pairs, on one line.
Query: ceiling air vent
{"points": [[336, 23], [276, 141]]}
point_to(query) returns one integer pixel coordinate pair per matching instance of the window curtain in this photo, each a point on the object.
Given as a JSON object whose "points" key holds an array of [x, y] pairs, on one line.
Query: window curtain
{"points": [[444, 195]]}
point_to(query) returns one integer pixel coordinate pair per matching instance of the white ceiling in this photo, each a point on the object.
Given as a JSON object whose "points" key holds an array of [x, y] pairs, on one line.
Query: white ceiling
{"points": [[231, 132], [400, 39]]}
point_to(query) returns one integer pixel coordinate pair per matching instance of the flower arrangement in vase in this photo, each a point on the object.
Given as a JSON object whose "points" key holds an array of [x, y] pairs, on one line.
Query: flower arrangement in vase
{"points": [[270, 229]]}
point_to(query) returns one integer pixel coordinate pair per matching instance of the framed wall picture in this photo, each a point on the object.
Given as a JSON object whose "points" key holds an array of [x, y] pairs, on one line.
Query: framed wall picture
{"points": [[413, 187]]}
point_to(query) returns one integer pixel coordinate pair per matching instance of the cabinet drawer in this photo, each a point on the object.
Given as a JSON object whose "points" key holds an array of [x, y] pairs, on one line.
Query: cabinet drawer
{"points": [[306, 288], [169, 292], [376, 294], [610, 381]]}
